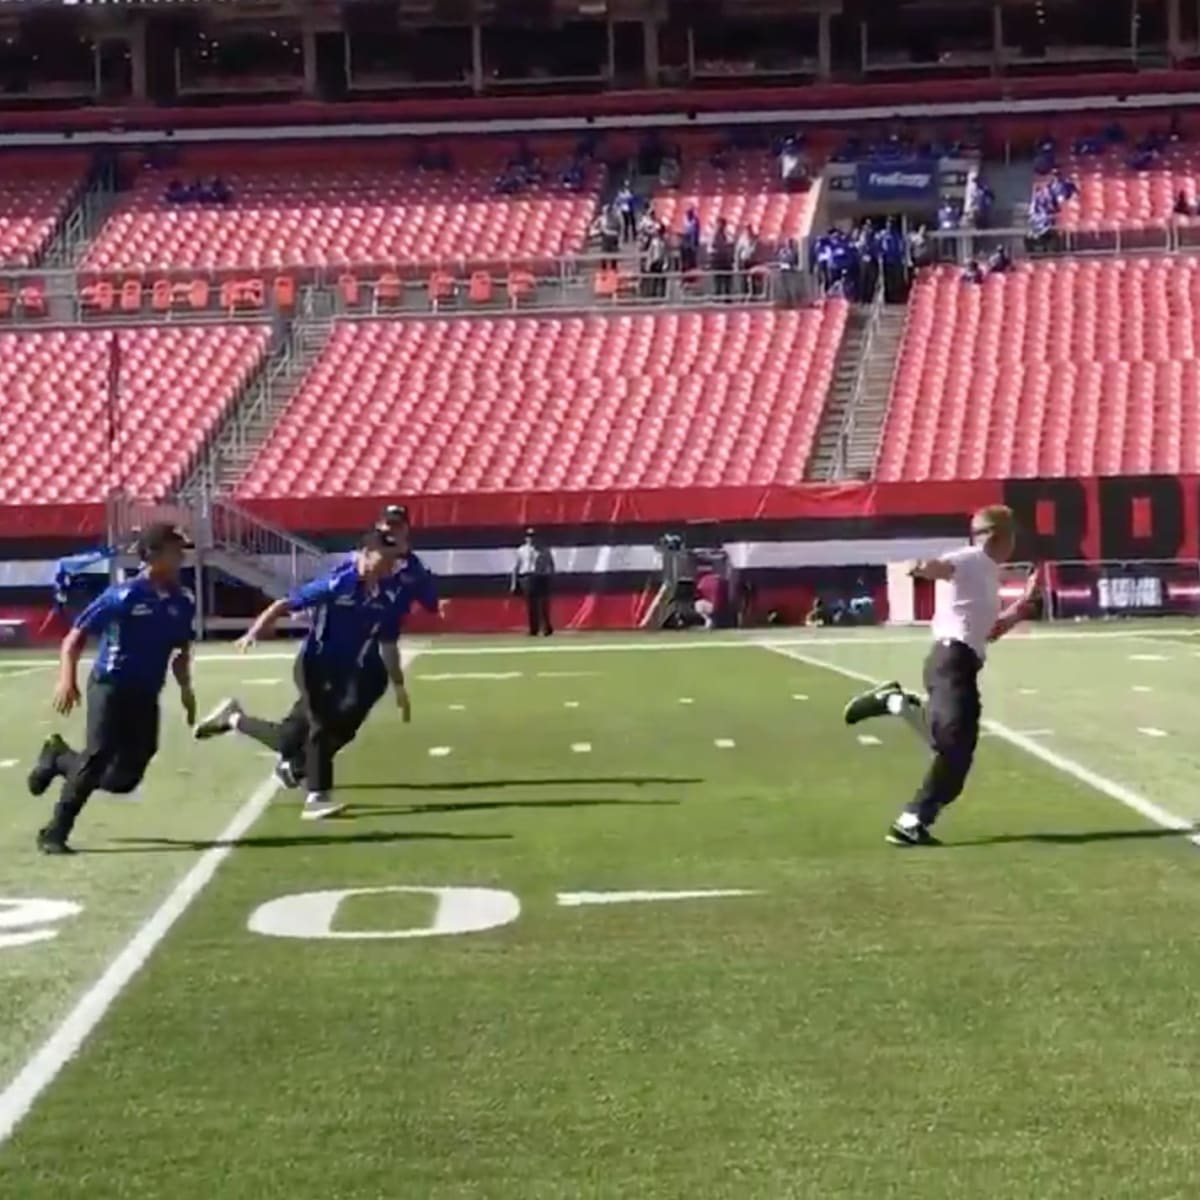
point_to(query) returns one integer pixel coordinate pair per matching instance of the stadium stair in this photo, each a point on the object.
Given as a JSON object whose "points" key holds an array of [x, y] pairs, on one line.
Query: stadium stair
{"points": [[253, 415], [252, 550], [826, 458], [867, 416], [97, 198]]}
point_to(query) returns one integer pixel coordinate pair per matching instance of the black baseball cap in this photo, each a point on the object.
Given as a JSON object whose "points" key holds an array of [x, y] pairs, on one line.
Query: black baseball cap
{"points": [[396, 514], [156, 538]]}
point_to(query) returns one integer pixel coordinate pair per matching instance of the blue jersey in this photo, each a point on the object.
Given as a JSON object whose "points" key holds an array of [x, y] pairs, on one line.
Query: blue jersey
{"points": [[410, 583], [140, 627], [348, 616]]}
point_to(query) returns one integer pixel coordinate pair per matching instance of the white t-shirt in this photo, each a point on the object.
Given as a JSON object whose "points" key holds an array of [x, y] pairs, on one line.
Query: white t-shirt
{"points": [[965, 608]]}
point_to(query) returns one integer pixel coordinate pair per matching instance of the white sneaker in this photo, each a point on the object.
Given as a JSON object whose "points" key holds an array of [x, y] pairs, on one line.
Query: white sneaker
{"points": [[319, 805], [219, 721]]}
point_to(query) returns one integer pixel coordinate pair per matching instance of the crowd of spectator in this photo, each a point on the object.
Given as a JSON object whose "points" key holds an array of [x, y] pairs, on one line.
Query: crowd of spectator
{"points": [[1045, 205], [199, 191], [856, 262]]}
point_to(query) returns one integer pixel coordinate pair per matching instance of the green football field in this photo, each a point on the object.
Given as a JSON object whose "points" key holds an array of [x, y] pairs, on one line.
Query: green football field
{"points": [[497, 975]]}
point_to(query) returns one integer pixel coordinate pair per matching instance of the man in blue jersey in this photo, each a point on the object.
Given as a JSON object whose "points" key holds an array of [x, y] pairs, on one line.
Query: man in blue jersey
{"points": [[355, 609], [145, 625]]}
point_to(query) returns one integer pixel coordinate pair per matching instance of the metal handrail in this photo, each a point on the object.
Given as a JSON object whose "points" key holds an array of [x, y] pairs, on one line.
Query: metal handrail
{"points": [[860, 379]]}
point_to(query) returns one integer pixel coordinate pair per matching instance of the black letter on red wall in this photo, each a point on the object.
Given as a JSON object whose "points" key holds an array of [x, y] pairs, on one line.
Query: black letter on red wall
{"points": [[1141, 517], [1051, 518]]}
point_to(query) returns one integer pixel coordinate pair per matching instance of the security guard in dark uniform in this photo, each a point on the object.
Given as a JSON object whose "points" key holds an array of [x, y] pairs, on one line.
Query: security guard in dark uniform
{"points": [[350, 608], [145, 625], [533, 577], [409, 582]]}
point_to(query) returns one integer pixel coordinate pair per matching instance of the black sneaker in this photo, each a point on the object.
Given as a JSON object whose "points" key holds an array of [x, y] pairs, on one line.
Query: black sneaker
{"points": [[872, 703], [49, 842], [45, 770], [219, 721], [910, 835]]}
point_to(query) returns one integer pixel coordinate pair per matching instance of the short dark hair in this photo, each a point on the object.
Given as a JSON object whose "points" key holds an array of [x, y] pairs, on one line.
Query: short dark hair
{"points": [[156, 538], [395, 514]]}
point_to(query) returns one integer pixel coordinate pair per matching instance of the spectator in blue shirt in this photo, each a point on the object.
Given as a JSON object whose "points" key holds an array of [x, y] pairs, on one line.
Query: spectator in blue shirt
{"points": [[1061, 188], [627, 205], [689, 241], [352, 610], [145, 626]]}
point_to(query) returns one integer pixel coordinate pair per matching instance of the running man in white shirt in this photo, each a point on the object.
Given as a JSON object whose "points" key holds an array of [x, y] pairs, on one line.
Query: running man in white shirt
{"points": [[966, 617]]}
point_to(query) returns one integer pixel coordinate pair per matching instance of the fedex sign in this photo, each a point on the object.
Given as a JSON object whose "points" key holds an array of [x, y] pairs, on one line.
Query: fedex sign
{"points": [[915, 179]]}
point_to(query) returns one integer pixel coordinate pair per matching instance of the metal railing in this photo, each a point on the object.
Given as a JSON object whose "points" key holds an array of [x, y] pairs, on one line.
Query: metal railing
{"points": [[222, 525], [846, 434]]}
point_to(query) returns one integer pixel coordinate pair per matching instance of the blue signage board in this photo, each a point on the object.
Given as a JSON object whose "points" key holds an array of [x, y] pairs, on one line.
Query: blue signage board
{"points": [[910, 179]]}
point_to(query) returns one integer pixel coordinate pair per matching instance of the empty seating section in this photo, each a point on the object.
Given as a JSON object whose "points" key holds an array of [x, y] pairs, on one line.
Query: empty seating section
{"points": [[174, 386], [1114, 196], [747, 192], [35, 194], [1061, 368], [319, 214], [671, 400]]}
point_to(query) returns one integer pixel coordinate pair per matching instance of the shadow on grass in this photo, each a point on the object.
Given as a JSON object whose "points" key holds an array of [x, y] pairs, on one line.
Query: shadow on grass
{"points": [[147, 845], [415, 809], [468, 785], [1082, 838]]}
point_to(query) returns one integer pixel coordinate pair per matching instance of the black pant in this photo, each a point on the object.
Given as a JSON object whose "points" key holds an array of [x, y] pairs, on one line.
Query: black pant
{"points": [[122, 738], [289, 738], [953, 711], [536, 589]]}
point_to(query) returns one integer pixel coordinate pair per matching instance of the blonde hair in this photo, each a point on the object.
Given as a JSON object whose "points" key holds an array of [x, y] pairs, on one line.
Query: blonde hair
{"points": [[995, 518]]}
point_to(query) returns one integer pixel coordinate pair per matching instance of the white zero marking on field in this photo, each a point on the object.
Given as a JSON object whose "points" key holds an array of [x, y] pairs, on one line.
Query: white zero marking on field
{"points": [[581, 747], [458, 675], [311, 914], [577, 899], [723, 743], [438, 751], [1150, 731], [64, 1043], [868, 739], [1148, 658], [1141, 687], [25, 915], [1060, 762], [570, 704]]}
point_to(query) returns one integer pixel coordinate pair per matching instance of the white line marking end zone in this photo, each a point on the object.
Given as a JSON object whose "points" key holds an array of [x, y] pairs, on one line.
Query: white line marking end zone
{"points": [[1144, 807]]}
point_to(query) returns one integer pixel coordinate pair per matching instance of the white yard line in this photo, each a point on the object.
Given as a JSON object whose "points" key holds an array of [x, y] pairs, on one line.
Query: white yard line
{"points": [[665, 642], [724, 743], [1147, 808], [64, 1043], [868, 739], [20, 1095], [581, 747], [439, 751], [1151, 731]]}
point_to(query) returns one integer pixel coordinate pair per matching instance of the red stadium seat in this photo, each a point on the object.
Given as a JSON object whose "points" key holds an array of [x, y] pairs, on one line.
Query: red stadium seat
{"points": [[1066, 367], [580, 402], [306, 208], [175, 385]]}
